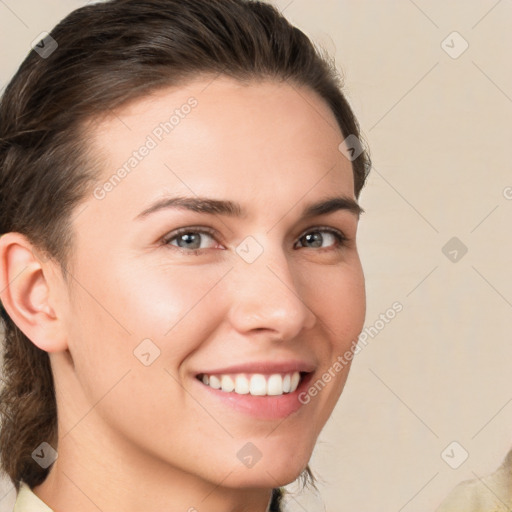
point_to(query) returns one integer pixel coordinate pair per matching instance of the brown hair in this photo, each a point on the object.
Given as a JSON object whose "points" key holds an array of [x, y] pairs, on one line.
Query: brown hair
{"points": [[109, 54]]}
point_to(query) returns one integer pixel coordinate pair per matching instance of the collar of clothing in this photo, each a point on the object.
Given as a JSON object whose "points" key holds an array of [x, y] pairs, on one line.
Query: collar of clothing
{"points": [[27, 501], [491, 493]]}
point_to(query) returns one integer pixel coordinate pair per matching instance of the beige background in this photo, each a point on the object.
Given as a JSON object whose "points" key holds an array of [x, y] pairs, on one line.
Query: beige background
{"points": [[440, 134]]}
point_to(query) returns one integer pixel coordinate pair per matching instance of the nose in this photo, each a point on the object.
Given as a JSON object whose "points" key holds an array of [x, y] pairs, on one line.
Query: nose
{"points": [[266, 298]]}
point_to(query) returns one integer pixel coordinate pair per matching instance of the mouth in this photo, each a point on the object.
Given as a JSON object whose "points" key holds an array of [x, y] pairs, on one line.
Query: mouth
{"points": [[255, 384], [262, 396]]}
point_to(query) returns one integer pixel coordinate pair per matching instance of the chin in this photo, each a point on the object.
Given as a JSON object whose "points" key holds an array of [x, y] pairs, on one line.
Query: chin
{"points": [[277, 472]]}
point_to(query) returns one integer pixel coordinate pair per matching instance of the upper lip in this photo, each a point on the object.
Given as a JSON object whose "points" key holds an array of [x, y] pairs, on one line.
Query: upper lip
{"points": [[265, 367]]}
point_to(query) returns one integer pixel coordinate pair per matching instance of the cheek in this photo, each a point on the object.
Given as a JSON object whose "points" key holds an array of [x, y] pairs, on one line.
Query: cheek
{"points": [[339, 301], [153, 300], [167, 303], [124, 315], [341, 307]]}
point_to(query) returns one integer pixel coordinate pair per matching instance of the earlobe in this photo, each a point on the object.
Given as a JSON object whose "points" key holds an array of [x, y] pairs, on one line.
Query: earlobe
{"points": [[25, 292]]}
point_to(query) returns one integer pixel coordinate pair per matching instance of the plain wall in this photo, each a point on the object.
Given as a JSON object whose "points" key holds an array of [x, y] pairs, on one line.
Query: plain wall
{"points": [[439, 130]]}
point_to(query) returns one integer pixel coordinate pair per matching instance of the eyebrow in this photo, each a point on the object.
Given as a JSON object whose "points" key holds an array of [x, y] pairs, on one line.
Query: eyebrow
{"points": [[234, 209]]}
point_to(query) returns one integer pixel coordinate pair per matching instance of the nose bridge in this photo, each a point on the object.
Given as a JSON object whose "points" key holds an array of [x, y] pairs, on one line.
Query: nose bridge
{"points": [[264, 294]]}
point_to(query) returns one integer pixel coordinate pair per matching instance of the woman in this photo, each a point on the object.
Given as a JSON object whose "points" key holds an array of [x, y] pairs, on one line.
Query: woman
{"points": [[179, 272]]}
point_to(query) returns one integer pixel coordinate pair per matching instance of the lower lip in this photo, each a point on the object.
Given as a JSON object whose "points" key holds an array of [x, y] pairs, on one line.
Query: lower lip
{"points": [[261, 407]]}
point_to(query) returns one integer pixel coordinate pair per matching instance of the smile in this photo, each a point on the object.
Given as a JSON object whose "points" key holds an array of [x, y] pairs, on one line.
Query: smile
{"points": [[256, 384]]}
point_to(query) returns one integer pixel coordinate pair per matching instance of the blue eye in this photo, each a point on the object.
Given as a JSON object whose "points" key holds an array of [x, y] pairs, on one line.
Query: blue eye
{"points": [[188, 240], [312, 237]]}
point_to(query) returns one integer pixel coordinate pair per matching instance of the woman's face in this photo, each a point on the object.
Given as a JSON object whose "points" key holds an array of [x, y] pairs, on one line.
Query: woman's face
{"points": [[245, 298]]}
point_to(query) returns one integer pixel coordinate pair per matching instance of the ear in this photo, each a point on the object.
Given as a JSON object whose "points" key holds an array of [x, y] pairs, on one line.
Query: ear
{"points": [[27, 291]]}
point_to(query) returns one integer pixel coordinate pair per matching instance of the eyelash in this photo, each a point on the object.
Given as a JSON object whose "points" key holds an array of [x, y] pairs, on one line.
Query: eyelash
{"points": [[340, 237]]}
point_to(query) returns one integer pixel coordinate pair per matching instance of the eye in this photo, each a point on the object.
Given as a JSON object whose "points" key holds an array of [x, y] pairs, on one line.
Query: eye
{"points": [[315, 238], [188, 239]]}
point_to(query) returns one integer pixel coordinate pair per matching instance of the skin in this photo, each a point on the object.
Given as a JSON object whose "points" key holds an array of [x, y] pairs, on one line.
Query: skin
{"points": [[135, 437]]}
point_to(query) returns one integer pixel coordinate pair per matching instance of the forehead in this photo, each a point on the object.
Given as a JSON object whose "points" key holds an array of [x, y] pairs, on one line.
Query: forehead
{"points": [[223, 136]]}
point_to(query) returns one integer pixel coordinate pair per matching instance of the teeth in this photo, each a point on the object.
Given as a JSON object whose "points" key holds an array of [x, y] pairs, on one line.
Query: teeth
{"points": [[275, 385], [242, 385], [286, 383], [256, 384], [295, 380], [213, 382], [226, 383]]}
